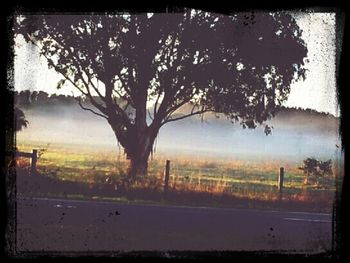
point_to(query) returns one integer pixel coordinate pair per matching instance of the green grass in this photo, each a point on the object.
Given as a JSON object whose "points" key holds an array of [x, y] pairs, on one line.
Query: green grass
{"points": [[244, 179]]}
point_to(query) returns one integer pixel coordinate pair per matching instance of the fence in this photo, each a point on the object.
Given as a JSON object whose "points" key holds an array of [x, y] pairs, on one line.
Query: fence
{"points": [[280, 179], [167, 174], [280, 182]]}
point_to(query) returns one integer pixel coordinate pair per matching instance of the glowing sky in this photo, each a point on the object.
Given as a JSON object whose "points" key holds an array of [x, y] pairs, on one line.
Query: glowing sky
{"points": [[317, 92]]}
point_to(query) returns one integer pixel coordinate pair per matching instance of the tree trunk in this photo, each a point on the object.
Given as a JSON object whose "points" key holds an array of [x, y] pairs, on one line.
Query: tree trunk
{"points": [[137, 147], [138, 166]]}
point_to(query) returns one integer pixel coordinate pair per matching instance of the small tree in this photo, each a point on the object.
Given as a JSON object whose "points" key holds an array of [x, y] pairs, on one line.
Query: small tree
{"points": [[20, 119], [315, 170]]}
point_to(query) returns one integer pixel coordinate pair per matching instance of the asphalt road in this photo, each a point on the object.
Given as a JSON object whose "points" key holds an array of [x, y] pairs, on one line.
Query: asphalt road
{"points": [[75, 226]]}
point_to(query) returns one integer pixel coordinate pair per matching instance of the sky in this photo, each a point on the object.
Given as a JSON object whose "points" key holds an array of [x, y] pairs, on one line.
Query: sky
{"points": [[317, 92]]}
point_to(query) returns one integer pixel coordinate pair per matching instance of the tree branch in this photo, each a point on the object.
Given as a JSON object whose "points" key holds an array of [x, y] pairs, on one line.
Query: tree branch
{"points": [[88, 109], [124, 84], [185, 116], [93, 102], [149, 114], [156, 104], [97, 105], [177, 106], [129, 100], [93, 85], [126, 105], [105, 99]]}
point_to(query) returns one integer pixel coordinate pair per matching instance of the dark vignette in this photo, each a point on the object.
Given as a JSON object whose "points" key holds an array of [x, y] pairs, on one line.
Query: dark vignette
{"points": [[8, 181], [8, 186]]}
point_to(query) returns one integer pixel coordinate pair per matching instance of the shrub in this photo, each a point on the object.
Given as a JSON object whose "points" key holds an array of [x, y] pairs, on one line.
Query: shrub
{"points": [[316, 171]]}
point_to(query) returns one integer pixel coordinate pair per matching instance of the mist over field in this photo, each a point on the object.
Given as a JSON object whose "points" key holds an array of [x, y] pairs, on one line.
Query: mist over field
{"points": [[296, 135]]}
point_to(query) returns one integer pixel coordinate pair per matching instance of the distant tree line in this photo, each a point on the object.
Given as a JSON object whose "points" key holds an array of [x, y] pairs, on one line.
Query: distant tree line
{"points": [[307, 110], [27, 98]]}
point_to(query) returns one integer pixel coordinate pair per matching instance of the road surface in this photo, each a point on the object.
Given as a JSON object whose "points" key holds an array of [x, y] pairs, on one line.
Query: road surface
{"points": [[55, 225]]}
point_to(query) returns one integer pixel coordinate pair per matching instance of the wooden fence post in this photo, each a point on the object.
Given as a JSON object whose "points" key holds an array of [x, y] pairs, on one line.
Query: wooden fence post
{"points": [[33, 162], [167, 174], [280, 182]]}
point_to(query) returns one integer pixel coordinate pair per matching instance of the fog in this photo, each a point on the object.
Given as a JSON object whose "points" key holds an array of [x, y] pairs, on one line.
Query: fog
{"points": [[295, 135]]}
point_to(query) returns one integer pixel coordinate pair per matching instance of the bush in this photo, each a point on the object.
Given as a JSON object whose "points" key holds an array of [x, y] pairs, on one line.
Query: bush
{"points": [[316, 171]]}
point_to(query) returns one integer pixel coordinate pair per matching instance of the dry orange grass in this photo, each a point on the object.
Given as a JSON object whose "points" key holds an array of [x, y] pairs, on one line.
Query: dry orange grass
{"points": [[22, 163], [241, 178]]}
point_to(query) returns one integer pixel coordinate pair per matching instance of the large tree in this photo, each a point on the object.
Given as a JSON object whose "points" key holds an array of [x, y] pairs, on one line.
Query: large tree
{"points": [[138, 70]]}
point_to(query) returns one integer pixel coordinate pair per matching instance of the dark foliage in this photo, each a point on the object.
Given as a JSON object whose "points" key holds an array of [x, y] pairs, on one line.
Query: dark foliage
{"points": [[20, 119], [315, 170]]}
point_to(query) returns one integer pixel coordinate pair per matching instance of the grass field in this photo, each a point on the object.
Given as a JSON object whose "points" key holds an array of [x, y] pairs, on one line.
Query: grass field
{"points": [[254, 180]]}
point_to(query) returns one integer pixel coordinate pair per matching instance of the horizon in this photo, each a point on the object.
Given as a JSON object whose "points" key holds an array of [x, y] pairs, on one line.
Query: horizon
{"points": [[281, 108]]}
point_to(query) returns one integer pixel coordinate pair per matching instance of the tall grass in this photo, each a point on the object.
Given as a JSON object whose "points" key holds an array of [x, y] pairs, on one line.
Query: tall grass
{"points": [[249, 179]]}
